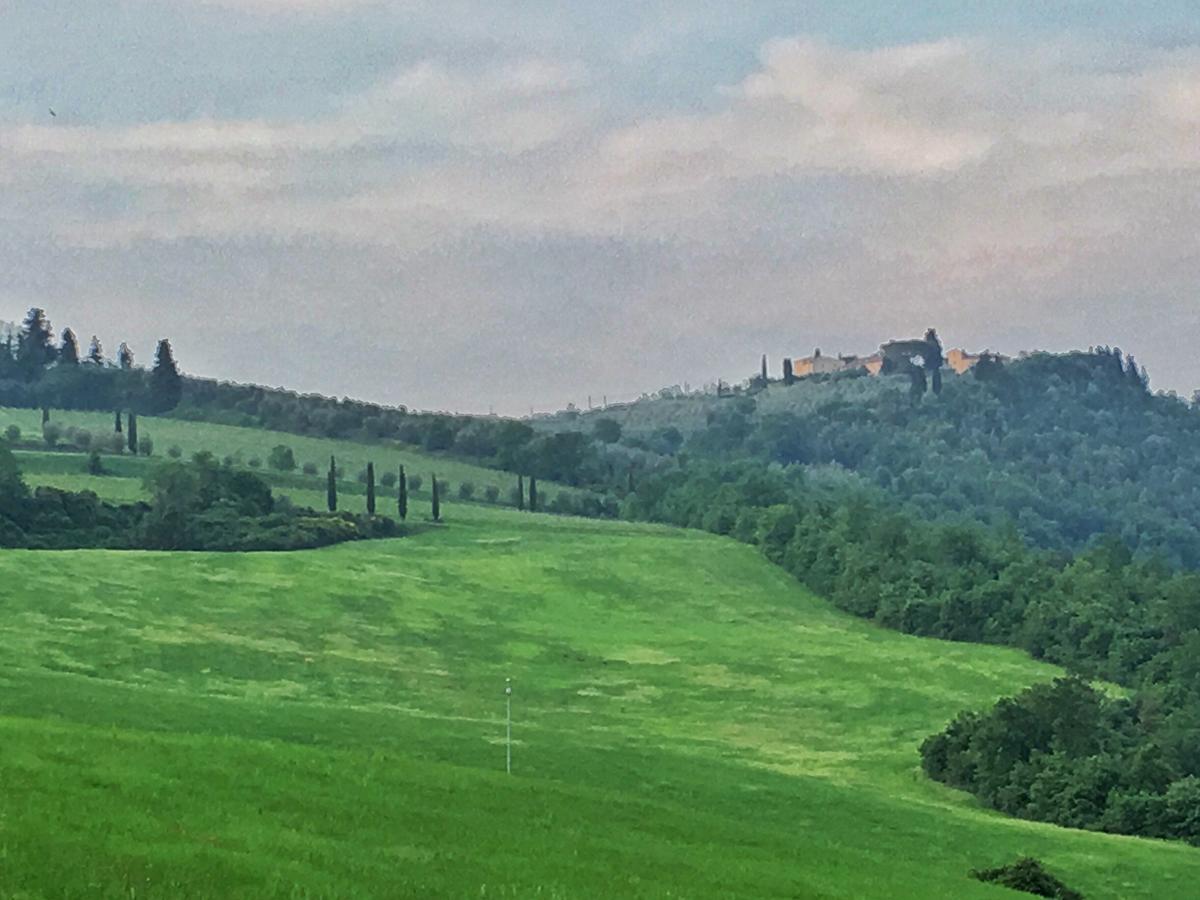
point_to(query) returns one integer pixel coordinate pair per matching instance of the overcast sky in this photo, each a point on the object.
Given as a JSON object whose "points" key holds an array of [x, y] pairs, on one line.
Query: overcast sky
{"points": [[469, 205]]}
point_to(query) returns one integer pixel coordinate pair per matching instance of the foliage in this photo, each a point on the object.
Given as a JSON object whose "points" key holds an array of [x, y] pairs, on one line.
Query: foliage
{"points": [[1028, 875], [282, 458], [1064, 448], [198, 505]]}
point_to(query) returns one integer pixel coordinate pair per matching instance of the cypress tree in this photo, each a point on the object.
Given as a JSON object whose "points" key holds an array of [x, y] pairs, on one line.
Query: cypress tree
{"points": [[436, 503], [764, 370], [125, 356], [521, 493], [533, 497], [96, 352], [789, 377], [402, 496], [133, 439], [68, 350], [45, 416], [117, 422], [35, 344], [331, 486], [370, 489], [166, 384]]}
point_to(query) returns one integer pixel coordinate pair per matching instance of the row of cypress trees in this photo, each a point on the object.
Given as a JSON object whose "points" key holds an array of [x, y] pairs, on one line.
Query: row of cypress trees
{"points": [[331, 491]]}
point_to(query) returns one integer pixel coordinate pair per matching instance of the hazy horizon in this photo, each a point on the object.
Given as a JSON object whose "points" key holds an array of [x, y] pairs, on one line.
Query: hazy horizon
{"points": [[471, 206]]}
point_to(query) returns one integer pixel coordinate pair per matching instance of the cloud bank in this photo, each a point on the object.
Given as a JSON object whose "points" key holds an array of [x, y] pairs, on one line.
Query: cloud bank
{"points": [[508, 228]]}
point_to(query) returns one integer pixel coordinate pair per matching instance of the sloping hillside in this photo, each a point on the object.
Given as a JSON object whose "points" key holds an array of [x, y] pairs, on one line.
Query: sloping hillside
{"points": [[688, 722], [1064, 448]]}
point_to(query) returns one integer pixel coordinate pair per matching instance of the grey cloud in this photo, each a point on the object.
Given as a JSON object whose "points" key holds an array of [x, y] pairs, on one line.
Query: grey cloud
{"points": [[496, 233]]}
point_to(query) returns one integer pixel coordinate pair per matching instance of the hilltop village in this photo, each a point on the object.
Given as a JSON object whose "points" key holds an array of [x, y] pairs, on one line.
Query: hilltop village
{"points": [[818, 364]]}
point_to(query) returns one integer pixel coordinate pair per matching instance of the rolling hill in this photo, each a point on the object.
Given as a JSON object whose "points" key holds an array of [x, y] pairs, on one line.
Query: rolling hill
{"points": [[689, 722]]}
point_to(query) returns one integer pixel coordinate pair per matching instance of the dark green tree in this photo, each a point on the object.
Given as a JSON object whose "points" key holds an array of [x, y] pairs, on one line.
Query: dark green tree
{"points": [[789, 377], [125, 357], [133, 435], [166, 384], [35, 344], [13, 491], [95, 352], [402, 496], [68, 348], [607, 431], [521, 493], [934, 360], [436, 504], [370, 489], [533, 494], [116, 421], [331, 486], [763, 375], [282, 458]]}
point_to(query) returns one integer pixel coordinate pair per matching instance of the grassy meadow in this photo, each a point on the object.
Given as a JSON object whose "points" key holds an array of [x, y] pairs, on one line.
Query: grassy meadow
{"points": [[245, 444], [689, 722]]}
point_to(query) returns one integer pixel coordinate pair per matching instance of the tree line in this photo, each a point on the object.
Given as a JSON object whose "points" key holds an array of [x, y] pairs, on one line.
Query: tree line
{"points": [[199, 504], [37, 370]]}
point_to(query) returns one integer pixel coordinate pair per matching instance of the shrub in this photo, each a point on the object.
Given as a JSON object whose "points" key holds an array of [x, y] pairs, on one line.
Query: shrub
{"points": [[415, 482], [116, 443], [12, 434], [95, 465], [145, 446], [51, 434], [491, 493], [466, 491], [174, 451], [282, 458], [1027, 875], [254, 462], [310, 468], [388, 479], [361, 477], [83, 439], [229, 460]]}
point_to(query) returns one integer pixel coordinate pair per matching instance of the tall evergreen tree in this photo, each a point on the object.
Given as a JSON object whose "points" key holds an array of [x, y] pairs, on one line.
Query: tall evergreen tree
{"points": [[402, 496], [125, 356], [764, 370], [789, 377], [533, 495], [117, 422], [68, 348], [436, 505], [521, 493], [331, 486], [35, 344], [370, 489], [132, 433], [95, 352], [166, 384]]}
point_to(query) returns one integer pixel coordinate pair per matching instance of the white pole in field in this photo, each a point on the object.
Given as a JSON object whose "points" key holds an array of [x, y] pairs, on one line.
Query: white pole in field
{"points": [[508, 726]]}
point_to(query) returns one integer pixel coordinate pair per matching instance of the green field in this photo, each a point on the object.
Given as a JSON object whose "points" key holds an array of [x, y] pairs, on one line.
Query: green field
{"points": [[245, 444], [689, 723]]}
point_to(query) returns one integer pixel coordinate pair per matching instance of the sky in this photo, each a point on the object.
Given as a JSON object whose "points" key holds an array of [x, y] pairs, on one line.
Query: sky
{"points": [[474, 206]]}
